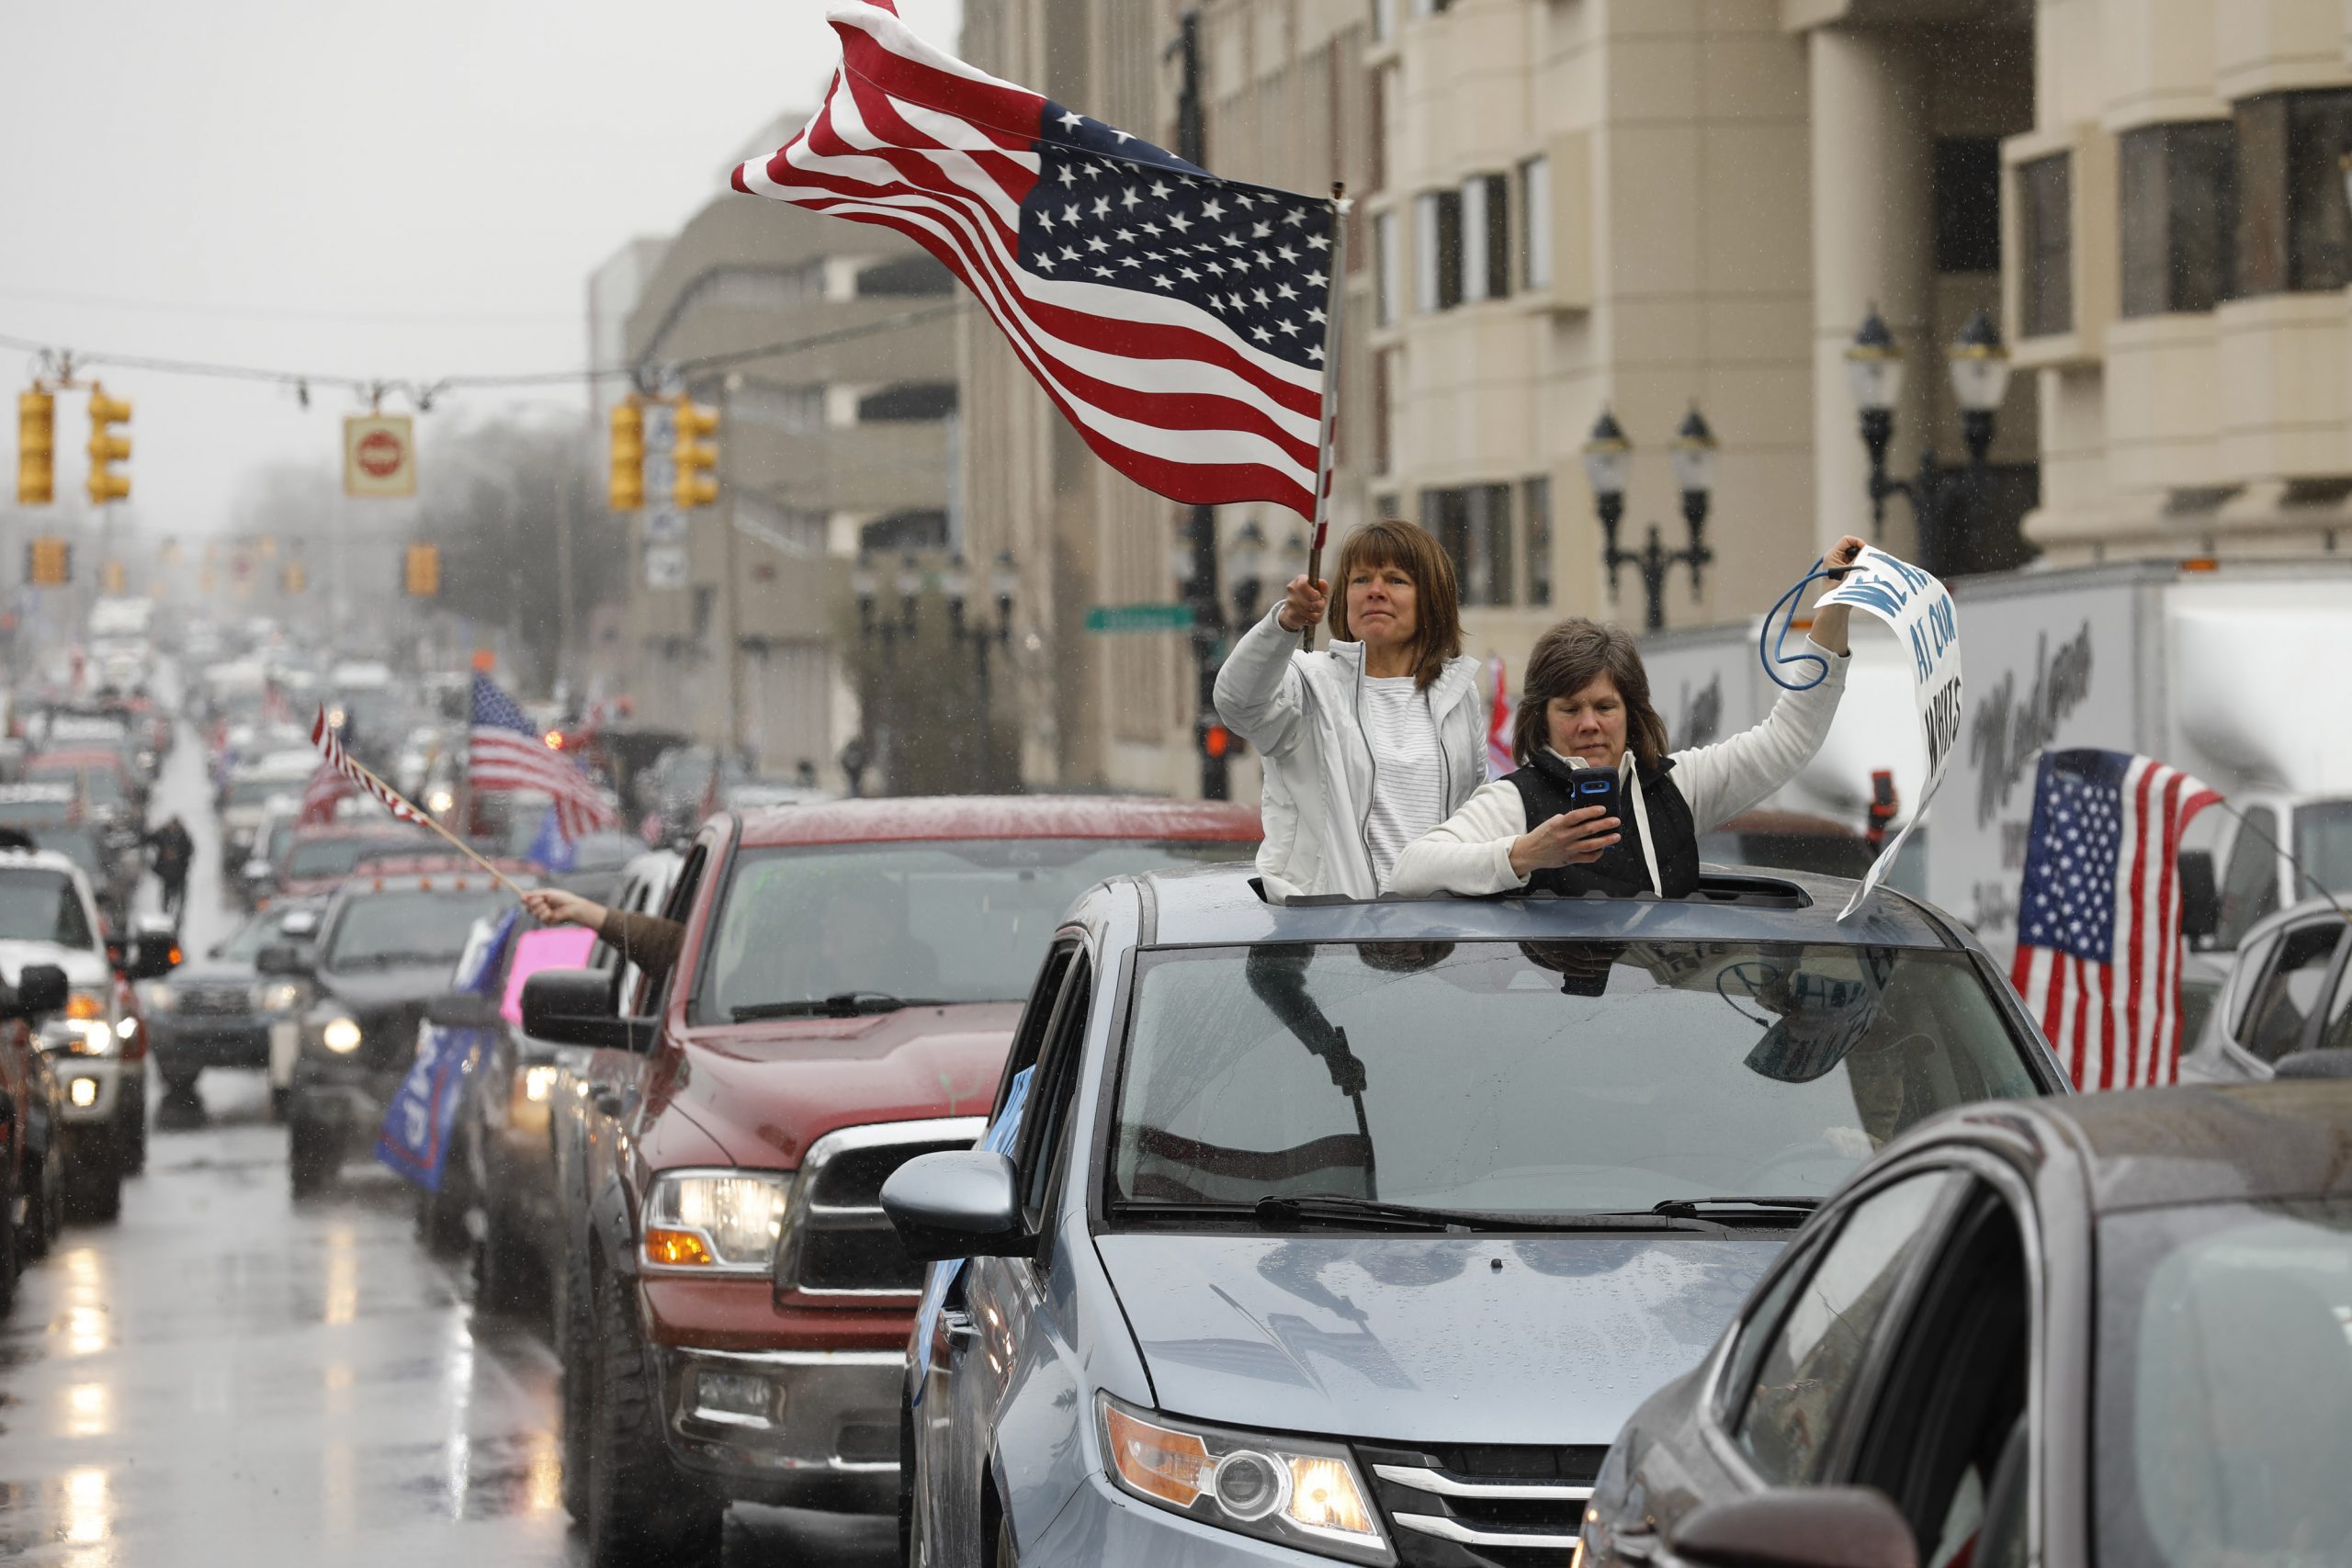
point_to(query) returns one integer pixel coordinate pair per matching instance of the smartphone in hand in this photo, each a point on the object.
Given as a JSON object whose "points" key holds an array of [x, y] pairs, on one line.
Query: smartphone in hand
{"points": [[1593, 786]]}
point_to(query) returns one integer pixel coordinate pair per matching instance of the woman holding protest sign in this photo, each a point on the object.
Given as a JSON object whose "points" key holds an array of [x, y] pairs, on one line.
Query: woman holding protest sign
{"points": [[1371, 742], [1585, 711]]}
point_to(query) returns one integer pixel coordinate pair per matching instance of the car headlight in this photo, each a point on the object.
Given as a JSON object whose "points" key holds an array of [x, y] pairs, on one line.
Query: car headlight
{"points": [[159, 995], [87, 1027], [1301, 1494], [277, 996], [717, 1220], [539, 1081], [341, 1036]]}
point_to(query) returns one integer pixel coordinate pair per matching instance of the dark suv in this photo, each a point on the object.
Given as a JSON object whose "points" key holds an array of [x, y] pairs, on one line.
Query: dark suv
{"points": [[385, 949], [1355, 1230]]}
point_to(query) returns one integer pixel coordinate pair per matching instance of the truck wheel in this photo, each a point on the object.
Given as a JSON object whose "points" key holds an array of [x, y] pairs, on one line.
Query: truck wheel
{"points": [[642, 1509], [132, 1134], [575, 1341], [278, 1099], [311, 1157], [46, 1211], [502, 1278], [12, 1244], [93, 1177]]}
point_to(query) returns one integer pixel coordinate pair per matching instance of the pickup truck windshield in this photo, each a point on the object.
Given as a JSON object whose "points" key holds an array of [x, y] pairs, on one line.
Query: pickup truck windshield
{"points": [[1542, 1078], [315, 858], [41, 906], [384, 930], [940, 923]]}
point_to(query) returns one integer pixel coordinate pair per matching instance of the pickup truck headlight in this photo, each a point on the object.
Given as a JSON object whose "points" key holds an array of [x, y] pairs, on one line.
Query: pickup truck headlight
{"points": [[1301, 1494], [159, 995], [723, 1221], [86, 1028], [340, 1035], [277, 996]]}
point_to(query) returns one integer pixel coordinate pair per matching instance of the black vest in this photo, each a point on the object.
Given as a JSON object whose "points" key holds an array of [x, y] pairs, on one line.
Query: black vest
{"points": [[1542, 788]]}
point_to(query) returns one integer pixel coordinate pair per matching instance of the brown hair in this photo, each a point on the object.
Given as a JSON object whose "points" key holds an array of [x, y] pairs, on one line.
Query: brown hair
{"points": [[1437, 614], [1567, 660]]}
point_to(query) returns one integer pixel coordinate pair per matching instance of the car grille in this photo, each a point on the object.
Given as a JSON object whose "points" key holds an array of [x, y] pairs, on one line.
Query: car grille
{"points": [[216, 1002], [1467, 1506], [836, 1240]]}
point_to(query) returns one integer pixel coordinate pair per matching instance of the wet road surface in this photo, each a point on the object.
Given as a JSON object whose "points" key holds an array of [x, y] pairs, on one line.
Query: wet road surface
{"points": [[225, 1376]]}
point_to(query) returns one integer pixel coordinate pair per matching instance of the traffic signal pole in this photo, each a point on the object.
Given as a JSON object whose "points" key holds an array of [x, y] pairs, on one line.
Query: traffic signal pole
{"points": [[1208, 615]]}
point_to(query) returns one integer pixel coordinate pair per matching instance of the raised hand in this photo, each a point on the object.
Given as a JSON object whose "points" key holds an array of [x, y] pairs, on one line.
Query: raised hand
{"points": [[1304, 604]]}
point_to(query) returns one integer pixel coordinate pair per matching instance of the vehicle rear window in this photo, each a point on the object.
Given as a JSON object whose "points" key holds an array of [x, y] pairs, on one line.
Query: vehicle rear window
{"points": [[37, 805], [261, 792], [74, 844], [1543, 1077], [952, 923], [335, 857], [408, 926], [41, 906]]}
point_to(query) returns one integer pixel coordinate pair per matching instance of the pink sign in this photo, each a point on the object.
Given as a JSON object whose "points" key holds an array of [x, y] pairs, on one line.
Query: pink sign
{"points": [[556, 947]]}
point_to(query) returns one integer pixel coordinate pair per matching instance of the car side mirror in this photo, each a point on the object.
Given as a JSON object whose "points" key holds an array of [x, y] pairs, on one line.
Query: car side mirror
{"points": [[574, 1007], [2201, 899], [155, 951], [284, 958], [462, 1010], [956, 1203], [1799, 1527], [41, 990]]}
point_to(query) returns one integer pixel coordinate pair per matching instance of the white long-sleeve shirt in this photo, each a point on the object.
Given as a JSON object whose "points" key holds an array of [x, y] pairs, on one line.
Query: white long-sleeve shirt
{"points": [[1469, 853]]}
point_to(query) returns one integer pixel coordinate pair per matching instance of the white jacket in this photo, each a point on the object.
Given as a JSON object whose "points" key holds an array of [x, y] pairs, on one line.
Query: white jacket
{"points": [[1303, 712], [1470, 852]]}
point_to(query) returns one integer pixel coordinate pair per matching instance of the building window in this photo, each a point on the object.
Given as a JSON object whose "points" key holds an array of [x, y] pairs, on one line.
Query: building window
{"points": [[1472, 525], [1383, 440], [2177, 216], [2046, 233], [1432, 7], [1968, 204], [903, 277], [1387, 281], [1535, 223], [1536, 502], [2293, 230], [908, 401], [1437, 249], [1485, 237]]}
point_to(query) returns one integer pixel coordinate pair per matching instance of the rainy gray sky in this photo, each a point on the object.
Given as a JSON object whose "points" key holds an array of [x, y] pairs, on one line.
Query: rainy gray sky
{"points": [[403, 191]]}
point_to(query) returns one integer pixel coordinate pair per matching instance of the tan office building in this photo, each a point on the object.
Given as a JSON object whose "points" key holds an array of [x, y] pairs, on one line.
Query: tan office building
{"points": [[822, 449]]}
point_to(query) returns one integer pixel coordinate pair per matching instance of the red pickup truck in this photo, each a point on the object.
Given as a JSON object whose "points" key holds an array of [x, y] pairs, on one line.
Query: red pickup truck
{"points": [[732, 1307]]}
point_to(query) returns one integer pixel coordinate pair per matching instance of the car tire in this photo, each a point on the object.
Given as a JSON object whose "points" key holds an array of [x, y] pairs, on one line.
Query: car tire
{"points": [[181, 1085], [47, 1211], [94, 1178], [278, 1101], [502, 1281], [642, 1509], [132, 1134], [12, 1241], [312, 1157], [441, 1216], [575, 1339]]}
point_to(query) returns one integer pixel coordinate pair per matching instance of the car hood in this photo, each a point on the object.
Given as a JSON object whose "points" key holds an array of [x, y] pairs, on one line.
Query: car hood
{"points": [[1416, 1340], [767, 1091], [369, 989], [214, 972], [82, 966]]}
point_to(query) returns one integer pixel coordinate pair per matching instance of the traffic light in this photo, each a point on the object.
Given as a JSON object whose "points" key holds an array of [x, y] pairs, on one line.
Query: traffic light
{"points": [[106, 448], [1216, 741], [110, 579], [49, 562], [423, 574], [36, 447], [295, 579], [693, 457], [625, 491]]}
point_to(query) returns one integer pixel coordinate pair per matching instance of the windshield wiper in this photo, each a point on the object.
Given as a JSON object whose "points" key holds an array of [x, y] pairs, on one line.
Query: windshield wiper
{"points": [[1740, 1211], [842, 1004], [1277, 1213]]}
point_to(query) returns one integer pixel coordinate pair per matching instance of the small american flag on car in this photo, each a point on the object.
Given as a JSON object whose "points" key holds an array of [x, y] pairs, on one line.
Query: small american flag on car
{"points": [[2098, 914], [329, 745], [508, 752], [1177, 320]]}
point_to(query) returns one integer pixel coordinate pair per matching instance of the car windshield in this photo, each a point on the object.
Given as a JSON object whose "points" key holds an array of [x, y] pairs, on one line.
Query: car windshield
{"points": [[41, 906], [257, 933], [955, 922], [1543, 1077], [74, 844], [408, 926], [36, 805], [2224, 1385], [314, 858], [2324, 843], [261, 792], [102, 786]]}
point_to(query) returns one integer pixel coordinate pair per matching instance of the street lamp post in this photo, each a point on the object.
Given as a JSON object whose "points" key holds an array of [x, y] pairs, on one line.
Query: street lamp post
{"points": [[1246, 563], [1940, 497], [982, 640], [1608, 464]]}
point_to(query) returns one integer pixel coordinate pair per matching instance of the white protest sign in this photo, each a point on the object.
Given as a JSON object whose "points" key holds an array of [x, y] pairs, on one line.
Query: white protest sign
{"points": [[1918, 609]]}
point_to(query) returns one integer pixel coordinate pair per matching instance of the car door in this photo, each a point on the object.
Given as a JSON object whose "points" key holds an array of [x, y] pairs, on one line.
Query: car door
{"points": [[1013, 1403], [2336, 1023], [1808, 1345]]}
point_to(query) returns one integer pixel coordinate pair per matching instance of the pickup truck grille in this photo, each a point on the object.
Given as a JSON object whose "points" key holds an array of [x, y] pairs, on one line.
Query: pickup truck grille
{"points": [[836, 1240], [1482, 1506], [217, 1000]]}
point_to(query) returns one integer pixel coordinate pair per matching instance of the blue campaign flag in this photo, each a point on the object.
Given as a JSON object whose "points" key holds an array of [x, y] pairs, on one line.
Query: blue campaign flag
{"points": [[942, 1279], [550, 851], [415, 1136]]}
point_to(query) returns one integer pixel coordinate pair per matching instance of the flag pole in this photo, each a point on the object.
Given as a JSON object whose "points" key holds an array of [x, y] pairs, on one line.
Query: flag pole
{"points": [[1323, 453], [426, 818]]}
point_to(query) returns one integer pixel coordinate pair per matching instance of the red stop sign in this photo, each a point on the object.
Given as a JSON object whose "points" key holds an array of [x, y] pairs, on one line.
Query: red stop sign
{"points": [[379, 454]]}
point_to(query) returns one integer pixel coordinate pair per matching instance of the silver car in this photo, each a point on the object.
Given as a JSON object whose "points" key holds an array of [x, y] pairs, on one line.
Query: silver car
{"points": [[2288, 992], [1354, 1230]]}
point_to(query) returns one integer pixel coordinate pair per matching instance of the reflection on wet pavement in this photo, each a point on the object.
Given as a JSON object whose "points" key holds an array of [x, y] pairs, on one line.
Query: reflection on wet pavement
{"points": [[227, 1377]]}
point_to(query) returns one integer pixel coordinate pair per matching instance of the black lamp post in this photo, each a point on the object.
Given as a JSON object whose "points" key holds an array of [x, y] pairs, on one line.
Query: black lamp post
{"points": [[1246, 561], [957, 582], [1608, 463], [1940, 497]]}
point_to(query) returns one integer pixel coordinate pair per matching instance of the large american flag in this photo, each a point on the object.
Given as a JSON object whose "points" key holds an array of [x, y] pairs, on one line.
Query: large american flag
{"points": [[508, 752], [1177, 319], [329, 745], [2098, 915]]}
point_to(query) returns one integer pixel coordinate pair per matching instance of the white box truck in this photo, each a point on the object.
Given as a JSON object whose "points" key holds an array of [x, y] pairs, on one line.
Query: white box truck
{"points": [[2235, 671]]}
